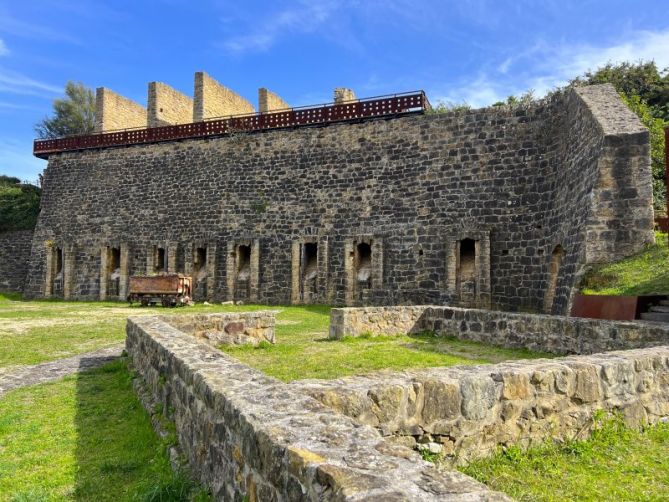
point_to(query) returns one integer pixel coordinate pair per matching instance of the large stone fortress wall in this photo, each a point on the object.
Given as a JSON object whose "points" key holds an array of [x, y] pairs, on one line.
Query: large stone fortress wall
{"points": [[500, 207]]}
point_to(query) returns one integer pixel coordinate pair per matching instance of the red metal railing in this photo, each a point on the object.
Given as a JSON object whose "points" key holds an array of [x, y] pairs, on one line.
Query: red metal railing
{"points": [[396, 104]]}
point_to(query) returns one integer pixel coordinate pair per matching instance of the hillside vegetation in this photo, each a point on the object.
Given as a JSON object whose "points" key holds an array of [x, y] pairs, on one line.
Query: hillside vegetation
{"points": [[645, 273], [19, 204]]}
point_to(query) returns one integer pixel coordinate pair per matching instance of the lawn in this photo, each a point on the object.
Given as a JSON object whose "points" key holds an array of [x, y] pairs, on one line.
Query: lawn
{"points": [[304, 351], [32, 332], [645, 273], [616, 463], [85, 437]]}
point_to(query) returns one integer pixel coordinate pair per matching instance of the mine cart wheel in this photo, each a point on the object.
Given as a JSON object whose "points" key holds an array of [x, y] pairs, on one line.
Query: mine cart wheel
{"points": [[144, 302], [165, 302]]}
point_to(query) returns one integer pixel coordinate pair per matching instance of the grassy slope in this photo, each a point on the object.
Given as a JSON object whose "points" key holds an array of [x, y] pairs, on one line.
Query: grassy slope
{"points": [[616, 463], [85, 437], [646, 273], [304, 351]]}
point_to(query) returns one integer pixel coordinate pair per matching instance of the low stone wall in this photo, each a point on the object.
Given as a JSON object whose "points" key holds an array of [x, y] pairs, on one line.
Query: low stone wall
{"points": [[398, 320], [466, 412], [228, 327], [248, 436], [14, 257], [543, 333]]}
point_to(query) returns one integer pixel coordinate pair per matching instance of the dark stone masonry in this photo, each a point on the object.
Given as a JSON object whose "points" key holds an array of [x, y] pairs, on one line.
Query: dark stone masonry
{"points": [[500, 207], [14, 257]]}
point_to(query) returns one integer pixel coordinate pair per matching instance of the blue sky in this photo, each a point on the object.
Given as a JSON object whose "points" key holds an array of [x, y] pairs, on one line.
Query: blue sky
{"points": [[474, 51]]}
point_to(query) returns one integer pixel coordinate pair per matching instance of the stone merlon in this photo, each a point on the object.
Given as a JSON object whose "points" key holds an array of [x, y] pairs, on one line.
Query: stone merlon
{"points": [[270, 102], [214, 100], [167, 106], [113, 112]]}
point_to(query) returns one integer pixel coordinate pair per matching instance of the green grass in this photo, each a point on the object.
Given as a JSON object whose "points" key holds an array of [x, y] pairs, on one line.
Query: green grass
{"points": [[32, 332], [616, 463], [85, 437], [304, 351], [646, 273]]}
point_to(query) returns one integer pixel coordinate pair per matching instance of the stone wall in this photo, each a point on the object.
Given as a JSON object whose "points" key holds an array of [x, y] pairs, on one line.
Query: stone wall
{"points": [[396, 207], [540, 333], [215, 100], [467, 412], [270, 102], [229, 327], [14, 257], [113, 111], [623, 196], [250, 437], [343, 95], [375, 321], [167, 106]]}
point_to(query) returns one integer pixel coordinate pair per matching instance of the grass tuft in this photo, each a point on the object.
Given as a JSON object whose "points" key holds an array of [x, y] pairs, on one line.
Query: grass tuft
{"points": [[646, 273], [615, 463]]}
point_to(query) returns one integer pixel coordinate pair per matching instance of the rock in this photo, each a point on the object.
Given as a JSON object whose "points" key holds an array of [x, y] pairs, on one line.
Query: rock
{"points": [[516, 386], [441, 400], [478, 396]]}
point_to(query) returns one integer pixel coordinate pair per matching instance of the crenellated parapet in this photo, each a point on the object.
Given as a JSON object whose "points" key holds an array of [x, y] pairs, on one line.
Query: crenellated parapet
{"points": [[167, 106], [214, 100], [344, 95], [270, 102], [113, 111]]}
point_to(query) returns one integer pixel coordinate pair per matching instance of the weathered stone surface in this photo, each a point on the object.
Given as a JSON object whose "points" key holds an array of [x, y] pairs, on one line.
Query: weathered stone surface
{"points": [[234, 328], [520, 402], [514, 182], [14, 258], [114, 112], [544, 333], [247, 435]]}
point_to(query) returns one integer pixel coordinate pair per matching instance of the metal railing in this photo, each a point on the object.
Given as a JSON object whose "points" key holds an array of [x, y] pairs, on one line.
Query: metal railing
{"points": [[381, 106]]}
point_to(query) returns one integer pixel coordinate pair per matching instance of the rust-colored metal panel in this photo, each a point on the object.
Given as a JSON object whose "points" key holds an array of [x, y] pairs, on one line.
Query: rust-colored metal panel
{"points": [[618, 308], [159, 284], [662, 224], [396, 104]]}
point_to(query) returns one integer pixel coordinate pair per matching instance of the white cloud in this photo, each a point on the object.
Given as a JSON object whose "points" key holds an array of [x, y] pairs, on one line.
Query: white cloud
{"points": [[544, 67], [3, 48], [17, 83], [306, 17], [565, 62]]}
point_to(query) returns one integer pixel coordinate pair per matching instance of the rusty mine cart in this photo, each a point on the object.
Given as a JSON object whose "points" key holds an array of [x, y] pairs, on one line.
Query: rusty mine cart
{"points": [[169, 290]]}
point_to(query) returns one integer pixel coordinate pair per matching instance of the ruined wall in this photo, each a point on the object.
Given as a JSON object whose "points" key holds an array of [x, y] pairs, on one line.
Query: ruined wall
{"points": [[233, 328], [247, 436], [113, 111], [14, 259], [393, 197], [541, 333], [376, 321], [622, 202], [468, 412], [167, 106], [215, 100], [269, 101]]}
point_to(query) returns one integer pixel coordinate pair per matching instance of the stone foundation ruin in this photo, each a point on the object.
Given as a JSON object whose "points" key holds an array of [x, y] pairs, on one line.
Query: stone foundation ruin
{"points": [[502, 208], [245, 434]]}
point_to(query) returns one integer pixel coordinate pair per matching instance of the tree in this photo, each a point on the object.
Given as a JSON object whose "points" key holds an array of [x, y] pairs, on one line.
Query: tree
{"points": [[74, 114], [19, 204], [641, 79]]}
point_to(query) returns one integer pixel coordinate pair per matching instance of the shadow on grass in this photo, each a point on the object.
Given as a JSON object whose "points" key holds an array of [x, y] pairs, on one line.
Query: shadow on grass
{"points": [[118, 454]]}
